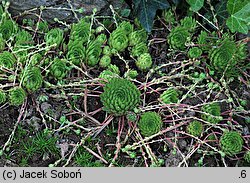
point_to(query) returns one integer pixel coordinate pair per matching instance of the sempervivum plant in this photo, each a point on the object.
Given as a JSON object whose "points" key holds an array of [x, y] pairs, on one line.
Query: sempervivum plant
{"points": [[17, 96], [2, 97], [136, 37], [32, 79], [107, 76], [213, 111], [127, 27], [231, 142], [120, 96], [247, 156], [194, 52], [195, 128], [54, 36], [225, 57], [7, 28], [139, 49], [150, 123], [93, 53], [7, 60], [80, 31], [118, 40], [169, 96], [144, 62], [178, 37], [105, 61], [23, 38], [58, 68], [76, 53]]}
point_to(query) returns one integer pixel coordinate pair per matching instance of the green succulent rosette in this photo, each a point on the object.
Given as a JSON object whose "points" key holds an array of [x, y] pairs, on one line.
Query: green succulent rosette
{"points": [[35, 59], [93, 53], [225, 57], [126, 26], [102, 38], [178, 37], [7, 60], [114, 69], [132, 74], [43, 26], [21, 54], [106, 50], [7, 28], [150, 123], [195, 128], [120, 96], [139, 49], [23, 38], [212, 109], [58, 68], [194, 52], [2, 43], [17, 96], [54, 36], [2, 97], [231, 143], [106, 76], [118, 40], [144, 62], [189, 23], [169, 96], [32, 79], [76, 54], [80, 31], [105, 61], [247, 156], [136, 37]]}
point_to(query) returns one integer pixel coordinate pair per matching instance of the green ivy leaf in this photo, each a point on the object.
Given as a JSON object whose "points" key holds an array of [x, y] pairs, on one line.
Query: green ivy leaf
{"points": [[145, 10], [240, 16], [195, 5]]}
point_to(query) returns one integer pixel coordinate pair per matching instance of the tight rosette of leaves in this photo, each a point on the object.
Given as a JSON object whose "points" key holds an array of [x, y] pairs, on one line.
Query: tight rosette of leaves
{"points": [[225, 56], [54, 36], [2, 97], [247, 156], [80, 31], [7, 60], [194, 52], [137, 37], [139, 49], [23, 38], [7, 28], [195, 128], [144, 62], [178, 37], [127, 27], [169, 96], [150, 123], [231, 143], [17, 96], [76, 53], [118, 40], [107, 76], [120, 96], [105, 61], [213, 111], [32, 79], [93, 53], [58, 68]]}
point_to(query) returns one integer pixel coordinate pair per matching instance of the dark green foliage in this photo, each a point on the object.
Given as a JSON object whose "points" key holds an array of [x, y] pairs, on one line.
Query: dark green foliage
{"points": [[189, 23], [144, 62], [195, 128], [17, 96], [146, 10], [54, 36], [7, 60], [127, 27], [137, 37], [178, 37], [80, 31], [150, 123], [32, 79], [214, 110], [23, 38], [231, 142], [169, 96], [194, 52], [120, 96], [2, 97], [226, 56], [59, 68]]}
